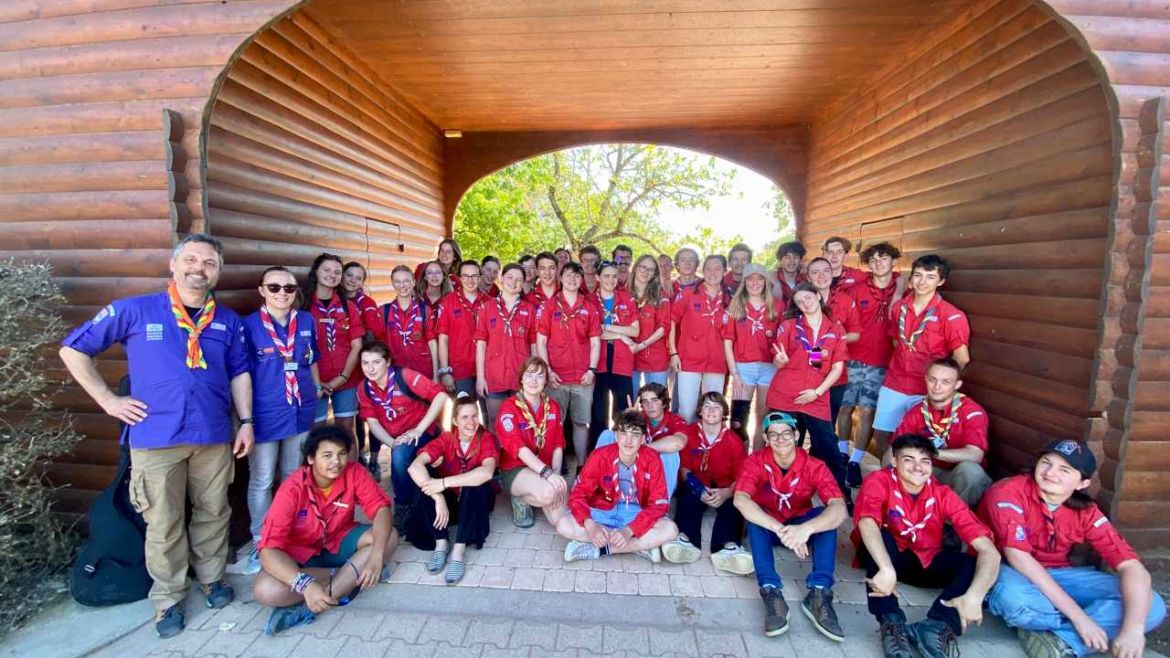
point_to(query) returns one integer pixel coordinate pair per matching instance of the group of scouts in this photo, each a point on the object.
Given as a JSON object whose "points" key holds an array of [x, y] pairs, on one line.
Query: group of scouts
{"points": [[548, 348]]}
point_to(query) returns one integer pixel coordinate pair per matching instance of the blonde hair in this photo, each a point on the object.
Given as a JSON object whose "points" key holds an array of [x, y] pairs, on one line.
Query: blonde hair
{"points": [[737, 308]]}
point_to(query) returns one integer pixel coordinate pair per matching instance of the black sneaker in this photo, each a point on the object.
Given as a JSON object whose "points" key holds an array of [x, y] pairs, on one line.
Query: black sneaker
{"points": [[775, 611], [935, 638], [170, 623], [895, 637], [853, 475], [218, 594], [818, 607]]}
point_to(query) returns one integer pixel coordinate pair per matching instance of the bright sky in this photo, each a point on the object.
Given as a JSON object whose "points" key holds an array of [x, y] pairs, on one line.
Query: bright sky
{"points": [[743, 212]]}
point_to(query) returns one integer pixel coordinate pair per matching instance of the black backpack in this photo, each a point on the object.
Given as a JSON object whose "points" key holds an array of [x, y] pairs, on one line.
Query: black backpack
{"points": [[111, 567]]}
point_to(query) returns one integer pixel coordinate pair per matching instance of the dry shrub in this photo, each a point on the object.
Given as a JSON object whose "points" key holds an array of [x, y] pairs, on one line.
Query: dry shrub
{"points": [[35, 546]]}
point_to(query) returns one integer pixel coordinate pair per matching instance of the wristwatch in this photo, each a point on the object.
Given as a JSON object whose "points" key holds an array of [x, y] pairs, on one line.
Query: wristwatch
{"points": [[245, 421]]}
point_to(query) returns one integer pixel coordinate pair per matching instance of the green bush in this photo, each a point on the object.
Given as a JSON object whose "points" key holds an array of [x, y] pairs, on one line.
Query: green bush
{"points": [[35, 547]]}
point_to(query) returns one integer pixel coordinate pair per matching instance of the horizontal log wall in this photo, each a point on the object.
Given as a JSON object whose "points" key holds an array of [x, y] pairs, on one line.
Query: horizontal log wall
{"points": [[308, 152], [990, 143]]}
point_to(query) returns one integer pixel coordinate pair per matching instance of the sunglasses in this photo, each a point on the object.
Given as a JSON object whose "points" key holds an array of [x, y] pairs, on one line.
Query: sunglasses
{"points": [[290, 288]]}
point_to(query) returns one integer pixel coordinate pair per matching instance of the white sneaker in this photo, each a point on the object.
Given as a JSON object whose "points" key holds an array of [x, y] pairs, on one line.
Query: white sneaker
{"points": [[734, 560], [248, 566], [654, 555], [581, 550], [681, 551]]}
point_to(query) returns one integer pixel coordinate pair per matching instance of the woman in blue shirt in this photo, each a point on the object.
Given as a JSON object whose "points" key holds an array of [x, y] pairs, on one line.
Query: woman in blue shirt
{"points": [[285, 385]]}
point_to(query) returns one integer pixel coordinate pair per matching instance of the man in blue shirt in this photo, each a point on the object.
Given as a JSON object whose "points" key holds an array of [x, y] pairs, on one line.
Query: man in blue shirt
{"points": [[187, 363]]}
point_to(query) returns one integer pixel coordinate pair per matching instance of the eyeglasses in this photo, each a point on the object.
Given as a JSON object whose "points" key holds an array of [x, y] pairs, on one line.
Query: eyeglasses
{"points": [[290, 288], [533, 375], [787, 435]]}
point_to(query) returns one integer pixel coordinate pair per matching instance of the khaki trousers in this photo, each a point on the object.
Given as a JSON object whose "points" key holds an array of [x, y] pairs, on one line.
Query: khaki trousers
{"points": [[161, 481]]}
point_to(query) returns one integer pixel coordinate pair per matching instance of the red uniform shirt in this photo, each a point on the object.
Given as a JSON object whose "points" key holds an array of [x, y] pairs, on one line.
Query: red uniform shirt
{"points": [[302, 521], [537, 296], [730, 285], [920, 339], [873, 310], [1020, 519], [448, 458], [671, 423], [517, 430], [786, 495], [625, 313], [509, 335], [783, 290], [568, 329], [753, 335], [698, 320], [843, 309], [598, 487], [370, 313], [803, 372], [457, 318], [717, 463], [676, 287], [849, 276], [393, 408], [916, 522], [492, 291], [337, 326], [408, 335], [656, 356], [951, 428]]}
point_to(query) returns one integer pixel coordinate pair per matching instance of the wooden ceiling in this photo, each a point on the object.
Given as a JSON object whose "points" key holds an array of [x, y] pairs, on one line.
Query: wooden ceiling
{"points": [[481, 65]]}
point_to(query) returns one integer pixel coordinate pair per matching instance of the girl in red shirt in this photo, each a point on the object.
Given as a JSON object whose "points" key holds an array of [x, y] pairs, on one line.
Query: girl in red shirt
{"points": [[810, 355], [353, 279], [454, 473], [615, 367], [406, 328], [696, 343], [530, 428], [841, 308], [458, 313], [505, 333], [753, 316], [489, 275], [651, 357], [431, 289], [339, 338], [686, 261]]}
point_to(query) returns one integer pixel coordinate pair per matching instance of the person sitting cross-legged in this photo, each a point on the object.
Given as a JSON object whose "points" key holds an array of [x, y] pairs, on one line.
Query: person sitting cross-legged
{"points": [[454, 473], [898, 534], [313, 554], [774, 492], [619, 504], [710, 465], [1063, 611]]}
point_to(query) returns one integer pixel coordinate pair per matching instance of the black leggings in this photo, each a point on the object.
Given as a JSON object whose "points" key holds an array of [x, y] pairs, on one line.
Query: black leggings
{"points": [[471, 511], [605, 385], [688, 516]]}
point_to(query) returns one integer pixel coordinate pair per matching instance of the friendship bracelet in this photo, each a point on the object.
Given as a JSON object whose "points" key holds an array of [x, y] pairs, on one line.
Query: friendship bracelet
{"points": [[302, 582]]}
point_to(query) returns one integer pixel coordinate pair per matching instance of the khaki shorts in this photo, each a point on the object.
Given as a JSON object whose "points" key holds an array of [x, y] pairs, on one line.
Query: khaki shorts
{"points": [[508, 477], [575, 400]]}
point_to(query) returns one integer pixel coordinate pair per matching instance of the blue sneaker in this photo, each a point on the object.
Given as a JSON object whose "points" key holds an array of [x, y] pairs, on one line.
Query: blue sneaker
{"points": [[282, 619], [218, 594], [170, 623], [249, 566]]}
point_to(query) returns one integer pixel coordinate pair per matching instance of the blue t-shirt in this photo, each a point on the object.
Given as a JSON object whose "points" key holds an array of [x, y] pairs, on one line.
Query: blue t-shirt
{"points": [[607, 318], [183, 405], [275, 418]]}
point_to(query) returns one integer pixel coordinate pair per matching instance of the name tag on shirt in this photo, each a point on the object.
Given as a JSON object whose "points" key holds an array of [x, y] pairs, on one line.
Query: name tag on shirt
{"points": [[218, 326], [154, 331], [290, 366]]}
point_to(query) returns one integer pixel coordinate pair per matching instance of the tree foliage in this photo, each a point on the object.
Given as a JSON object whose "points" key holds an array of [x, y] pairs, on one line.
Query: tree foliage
{"points": [[779, 208], [603, 195], [35, 544]]}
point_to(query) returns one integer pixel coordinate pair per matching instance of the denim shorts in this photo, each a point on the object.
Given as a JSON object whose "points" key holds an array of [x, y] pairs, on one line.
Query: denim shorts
{"points": [[755, 373], [345, 405], [617, 518], [891, 407], [864, 383]]}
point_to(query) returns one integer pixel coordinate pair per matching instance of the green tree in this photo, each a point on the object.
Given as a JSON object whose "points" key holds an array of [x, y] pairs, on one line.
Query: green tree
{"points": [[779, 207]]}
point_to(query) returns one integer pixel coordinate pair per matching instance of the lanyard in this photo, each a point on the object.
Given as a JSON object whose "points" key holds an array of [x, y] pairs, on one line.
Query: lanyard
{"points": [[287, 350], [815, 352], [194, 329]]}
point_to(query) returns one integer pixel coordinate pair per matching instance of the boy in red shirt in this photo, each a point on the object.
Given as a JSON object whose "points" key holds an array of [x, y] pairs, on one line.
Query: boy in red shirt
{"points": [[774, 493], [454, 473], [314, 555], [898, 534], [1061, 610], [789, 272], [739, 257], [545, 286], [698, 315], [958, 427], [710, 465], [619, 503], [835, 250], [505, 335], [458, 313]]}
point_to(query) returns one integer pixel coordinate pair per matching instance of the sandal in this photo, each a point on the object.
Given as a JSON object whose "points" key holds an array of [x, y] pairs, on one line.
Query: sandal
{"points": [[454, 572], [438, 559]]}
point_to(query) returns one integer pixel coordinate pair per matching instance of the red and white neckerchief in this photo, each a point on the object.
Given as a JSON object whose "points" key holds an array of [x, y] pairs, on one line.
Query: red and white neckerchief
{"points": [[567, 314], [287, 351], [623, 497], [383, 399], [332, 314], [782, 499], [909, 527], [755, 316], [469, 307], [706, 445], [360, 298], [505, 315], [653, 433], [710, 307], [405, 330], [884, 297]]}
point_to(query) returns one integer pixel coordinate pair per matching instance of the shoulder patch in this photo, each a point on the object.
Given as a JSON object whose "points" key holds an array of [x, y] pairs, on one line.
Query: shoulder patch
{"points": [[956, 316], [507, 422], [107, 312], [974, 414], [1100, 522], [1012, 506]]}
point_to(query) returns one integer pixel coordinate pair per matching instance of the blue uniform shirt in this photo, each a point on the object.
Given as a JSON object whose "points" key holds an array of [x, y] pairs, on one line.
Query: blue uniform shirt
{"points": [[183, 405], [275, 418]]}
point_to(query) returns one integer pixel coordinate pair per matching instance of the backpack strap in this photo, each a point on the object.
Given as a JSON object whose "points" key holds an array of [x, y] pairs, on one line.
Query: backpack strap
{"points": [[400, 381]]}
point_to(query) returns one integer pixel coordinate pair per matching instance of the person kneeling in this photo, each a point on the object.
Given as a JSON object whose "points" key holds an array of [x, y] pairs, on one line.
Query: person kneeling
{"points": [[454, 473], [619, 503], [774, 492], [313, 554], [1061, 610], [898, 535]]}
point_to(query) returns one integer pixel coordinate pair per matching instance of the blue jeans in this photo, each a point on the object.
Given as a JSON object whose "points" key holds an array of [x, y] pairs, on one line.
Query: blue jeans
{"points": [[401, 457], [822, 546], [670, 462], [1023, 605], [643, 377]]}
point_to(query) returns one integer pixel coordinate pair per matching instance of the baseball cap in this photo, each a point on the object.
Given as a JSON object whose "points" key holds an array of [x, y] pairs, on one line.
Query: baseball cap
{"points": [[1076, 453], [754, 268], [778, 417]]}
